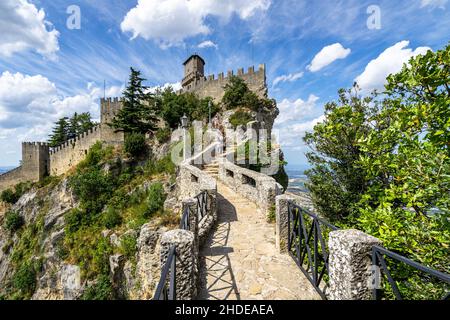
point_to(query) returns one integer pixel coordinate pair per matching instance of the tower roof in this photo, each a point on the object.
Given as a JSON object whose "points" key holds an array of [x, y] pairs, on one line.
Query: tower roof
{"points": [[192, 57]]}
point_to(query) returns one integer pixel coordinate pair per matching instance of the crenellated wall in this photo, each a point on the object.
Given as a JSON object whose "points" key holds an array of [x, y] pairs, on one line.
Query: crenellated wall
{"points": [[212, 86], [72, 152], [35, 165]]}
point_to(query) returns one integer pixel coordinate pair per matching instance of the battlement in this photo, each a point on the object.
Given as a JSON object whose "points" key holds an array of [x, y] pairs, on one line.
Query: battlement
{"points": [[85, 135], [213, 85], [109, 107]]}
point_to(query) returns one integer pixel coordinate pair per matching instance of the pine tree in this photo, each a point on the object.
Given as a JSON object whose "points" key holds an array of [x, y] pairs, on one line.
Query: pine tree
{"points": [[138, 114], [79, 123], [60, 132]]}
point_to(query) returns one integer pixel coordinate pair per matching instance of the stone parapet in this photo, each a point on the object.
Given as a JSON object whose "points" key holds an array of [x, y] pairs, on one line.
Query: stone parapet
{"points": [[257, 187], [186, 261], [350, 264]]}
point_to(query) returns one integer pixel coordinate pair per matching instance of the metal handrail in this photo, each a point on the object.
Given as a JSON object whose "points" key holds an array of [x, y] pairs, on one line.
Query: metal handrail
{"points": [[378, 260], [164, 292], [184, 224], [202, 205], [312, 263]]}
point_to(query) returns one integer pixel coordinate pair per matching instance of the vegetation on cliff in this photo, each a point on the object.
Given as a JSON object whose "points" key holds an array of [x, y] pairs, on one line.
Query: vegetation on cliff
{"points": [[382, 164]]}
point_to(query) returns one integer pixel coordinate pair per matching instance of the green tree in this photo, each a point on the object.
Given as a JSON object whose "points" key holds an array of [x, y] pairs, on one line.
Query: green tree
{"points": [[135, 145], [60, 132], [238, 95], [78, 124], [139, 111], [336, 180], [384, 167]]}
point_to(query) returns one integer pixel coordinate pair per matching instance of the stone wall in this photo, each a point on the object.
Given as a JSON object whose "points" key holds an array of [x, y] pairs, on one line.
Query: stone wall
{"points": [[72, 152], [213, 86], [35, 165], [11, 178], [257, 187]]}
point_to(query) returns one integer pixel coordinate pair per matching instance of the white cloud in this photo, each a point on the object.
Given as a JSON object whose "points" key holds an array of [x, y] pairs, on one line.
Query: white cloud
{"points": [[29, 105], [288, 78], [296, 110], [434, 3], [23, 27], [327, 56], [175, 86], [389, 62], [169, 22], [296, 118], [208, 44], [291, 136]]}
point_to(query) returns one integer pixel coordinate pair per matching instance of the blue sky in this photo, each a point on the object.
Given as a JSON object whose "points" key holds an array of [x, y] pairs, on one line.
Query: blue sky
{"points": [[310, 48]]}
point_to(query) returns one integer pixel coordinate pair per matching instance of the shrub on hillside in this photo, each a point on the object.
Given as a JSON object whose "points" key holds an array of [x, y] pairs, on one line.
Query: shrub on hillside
{"points": [[13, 221], [241, 118], [112, 218], [8, 196], [102, 289], [24, 280], [155, 200], [163, 135], [135, 145]]}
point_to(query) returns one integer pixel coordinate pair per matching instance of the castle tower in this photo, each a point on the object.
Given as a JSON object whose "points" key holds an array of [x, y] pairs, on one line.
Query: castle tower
{"points": [[194, 71], [35, 160], [109, 108]]}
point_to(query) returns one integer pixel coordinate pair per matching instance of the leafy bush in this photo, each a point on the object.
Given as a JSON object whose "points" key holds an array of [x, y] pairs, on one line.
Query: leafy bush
{"points": [[173, 106], [74, 220], [238, 95], [101, 290], [135, 145], [155, 200], [93, 187], [383, 166], [24, 279], [112, 218], [165, 165], [12, 196], [163, 135], [241, 117], [128, 246], [9, 196], [13, 221]]}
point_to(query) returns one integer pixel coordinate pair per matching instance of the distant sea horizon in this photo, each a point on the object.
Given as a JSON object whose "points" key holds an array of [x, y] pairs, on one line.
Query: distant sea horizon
{"points": [[5, 169], [297, 177]]}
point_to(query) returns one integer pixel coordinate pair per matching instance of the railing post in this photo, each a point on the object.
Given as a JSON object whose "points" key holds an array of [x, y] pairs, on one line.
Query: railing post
{"points": [[186, 262], [282, 222], [351, 265], [211, 195]]}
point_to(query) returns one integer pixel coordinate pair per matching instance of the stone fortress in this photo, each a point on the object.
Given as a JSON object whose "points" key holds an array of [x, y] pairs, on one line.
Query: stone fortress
{"points": [[39, 160]]}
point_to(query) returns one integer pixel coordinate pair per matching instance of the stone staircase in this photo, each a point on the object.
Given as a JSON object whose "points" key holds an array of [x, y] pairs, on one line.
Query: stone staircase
{"points": [[212, 169]]}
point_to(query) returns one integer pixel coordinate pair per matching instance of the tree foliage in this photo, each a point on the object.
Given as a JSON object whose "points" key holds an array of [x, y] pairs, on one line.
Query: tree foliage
{"points": [[138, 113], [173, 106], [69, 128], [381, 164], [238, 95]]}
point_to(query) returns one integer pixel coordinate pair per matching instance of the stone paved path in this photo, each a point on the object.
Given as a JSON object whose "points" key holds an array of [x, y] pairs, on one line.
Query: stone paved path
{"points": [[240, 261]]}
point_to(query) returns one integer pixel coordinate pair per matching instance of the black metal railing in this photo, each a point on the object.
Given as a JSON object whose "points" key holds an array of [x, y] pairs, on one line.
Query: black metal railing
{"points": [[166, 289], [392, 284], [184, 224], [308, 247], [202, 205]]}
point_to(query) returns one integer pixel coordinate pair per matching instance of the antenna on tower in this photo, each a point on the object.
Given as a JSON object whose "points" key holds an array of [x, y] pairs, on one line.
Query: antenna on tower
{"points": [[104, 89]]}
